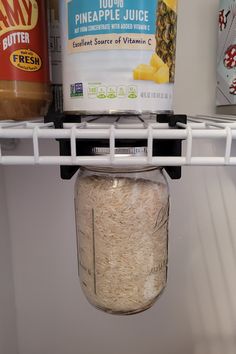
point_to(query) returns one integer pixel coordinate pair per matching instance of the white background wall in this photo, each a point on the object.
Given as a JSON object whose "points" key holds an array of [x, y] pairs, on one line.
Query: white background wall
{"points": [[196, 56], [197, 313], [8, 336]]}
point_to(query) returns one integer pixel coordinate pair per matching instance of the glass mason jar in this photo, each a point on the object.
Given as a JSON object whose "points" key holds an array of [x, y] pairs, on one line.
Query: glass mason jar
{"points": [[122, 232]]}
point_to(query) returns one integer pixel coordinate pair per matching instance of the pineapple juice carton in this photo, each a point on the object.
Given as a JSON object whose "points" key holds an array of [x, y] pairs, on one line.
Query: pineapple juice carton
{"points": [[118, 56]]}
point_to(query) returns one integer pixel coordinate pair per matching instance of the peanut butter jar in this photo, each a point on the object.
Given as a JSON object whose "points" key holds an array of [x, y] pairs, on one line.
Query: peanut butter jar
{"points": [[25, 91]]}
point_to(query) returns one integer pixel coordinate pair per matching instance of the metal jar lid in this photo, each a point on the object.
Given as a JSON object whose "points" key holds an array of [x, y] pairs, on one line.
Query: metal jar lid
{"points": [[121, 151]]}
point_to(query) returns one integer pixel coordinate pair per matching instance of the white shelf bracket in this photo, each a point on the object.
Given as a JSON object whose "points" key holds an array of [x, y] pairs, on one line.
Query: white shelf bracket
{"points": [[150, 144], [209, 128], [112, 144], [36, 145], [189, 145], [73, 144], [229, 139]]}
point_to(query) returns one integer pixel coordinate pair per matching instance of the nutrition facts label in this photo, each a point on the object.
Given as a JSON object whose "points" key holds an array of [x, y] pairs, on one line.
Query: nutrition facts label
{"points": [[108, 92], [102, 92]]}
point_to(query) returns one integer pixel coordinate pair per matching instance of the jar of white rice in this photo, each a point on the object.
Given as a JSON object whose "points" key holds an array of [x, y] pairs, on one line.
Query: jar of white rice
{"points": [[122, 231]]}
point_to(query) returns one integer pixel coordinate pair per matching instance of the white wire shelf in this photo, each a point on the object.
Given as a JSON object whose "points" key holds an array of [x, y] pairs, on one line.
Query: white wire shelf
{"points": [[213, 128]]}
